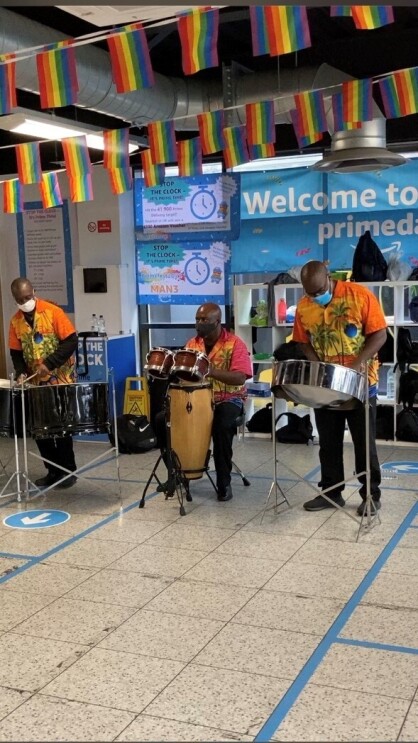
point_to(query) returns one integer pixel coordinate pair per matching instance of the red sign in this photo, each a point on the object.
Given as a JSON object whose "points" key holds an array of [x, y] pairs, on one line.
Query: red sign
{"points": [[104, 225]]}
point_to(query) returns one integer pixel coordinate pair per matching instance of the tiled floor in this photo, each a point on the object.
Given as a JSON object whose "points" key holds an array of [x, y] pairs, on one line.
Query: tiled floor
{"points": [[133, 624]]}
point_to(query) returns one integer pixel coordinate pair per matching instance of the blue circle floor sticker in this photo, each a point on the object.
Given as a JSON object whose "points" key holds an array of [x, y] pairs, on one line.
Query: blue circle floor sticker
{"points": [[401, 468], [36, 519]]}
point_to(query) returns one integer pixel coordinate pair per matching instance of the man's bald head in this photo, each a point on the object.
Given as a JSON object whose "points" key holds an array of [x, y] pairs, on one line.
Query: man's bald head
{"points": [[313, 276], [22, 289], [209, 311]]}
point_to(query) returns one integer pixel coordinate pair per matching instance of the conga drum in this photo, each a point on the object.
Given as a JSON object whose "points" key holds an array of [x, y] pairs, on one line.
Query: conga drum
{"points": [[190, 416]]}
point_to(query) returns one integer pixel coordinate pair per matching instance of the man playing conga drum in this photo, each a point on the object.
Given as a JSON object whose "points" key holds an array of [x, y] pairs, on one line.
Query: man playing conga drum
{"points": [[229, 367], [42, 341]]}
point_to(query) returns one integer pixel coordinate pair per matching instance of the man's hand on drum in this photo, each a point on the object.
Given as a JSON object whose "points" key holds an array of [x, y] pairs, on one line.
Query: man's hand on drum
{"points": [[358, 365], [21, 378], [42, 370]]}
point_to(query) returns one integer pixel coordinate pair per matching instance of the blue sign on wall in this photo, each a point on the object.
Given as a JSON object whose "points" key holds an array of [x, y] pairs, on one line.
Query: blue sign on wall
{"points": [[36, 519]]}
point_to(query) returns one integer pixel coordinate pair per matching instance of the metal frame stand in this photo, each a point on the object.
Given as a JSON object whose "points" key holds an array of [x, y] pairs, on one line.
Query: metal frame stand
{"points": [[372, 517], [19, 474], [79, 472]]}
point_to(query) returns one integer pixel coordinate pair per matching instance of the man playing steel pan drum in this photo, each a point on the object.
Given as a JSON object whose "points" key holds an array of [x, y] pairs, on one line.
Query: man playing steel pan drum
{"points": [[229, 367]]}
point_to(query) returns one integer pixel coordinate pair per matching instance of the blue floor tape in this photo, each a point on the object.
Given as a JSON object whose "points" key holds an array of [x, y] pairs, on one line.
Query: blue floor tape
{"points": [[377, 645]]}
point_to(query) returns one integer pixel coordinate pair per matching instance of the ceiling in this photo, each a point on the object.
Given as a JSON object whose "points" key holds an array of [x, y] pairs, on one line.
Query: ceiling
{"points": [[335, 41]]}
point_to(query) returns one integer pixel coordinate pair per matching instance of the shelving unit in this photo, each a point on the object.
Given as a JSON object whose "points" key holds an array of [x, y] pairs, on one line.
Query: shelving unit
{"points": [[394, 297]]}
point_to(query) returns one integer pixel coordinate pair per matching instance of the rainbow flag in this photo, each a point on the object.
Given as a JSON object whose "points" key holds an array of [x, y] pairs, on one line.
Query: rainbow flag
{"points": [[130, 60], [357, 97], [340, 10], [198, 31], [400, 93], [304, 140], [57, 76], [76, 156], [162, 142], [371, 16], [287, 28], [28, 163], [50, 190], [120, 180], [260, 122], [211, 125], [310, 106], [7, 87], [259, 32], [153, 174], [116, 149], [236, 149], [81, 188], [258, 151], [337, 111], [12, 197], [189, 157]]}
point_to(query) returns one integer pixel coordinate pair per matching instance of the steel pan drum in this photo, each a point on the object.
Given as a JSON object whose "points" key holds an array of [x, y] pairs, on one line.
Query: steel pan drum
{"points": [[56, 410], [318, 384], [7, 429]]}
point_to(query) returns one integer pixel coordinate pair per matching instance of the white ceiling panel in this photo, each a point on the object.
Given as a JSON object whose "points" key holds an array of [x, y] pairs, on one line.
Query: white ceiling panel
{"points": [[108, 15]]}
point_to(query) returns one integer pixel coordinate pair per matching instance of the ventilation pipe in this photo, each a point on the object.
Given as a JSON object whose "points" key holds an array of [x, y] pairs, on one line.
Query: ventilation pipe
{"points": [[177, 98]]}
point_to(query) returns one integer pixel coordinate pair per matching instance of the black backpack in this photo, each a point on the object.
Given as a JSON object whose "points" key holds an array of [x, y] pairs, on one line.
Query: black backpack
{"points": [[407, 425], [289, 351], [406, 349], [368, 261], [135, 434], [297, 431], [261, 421], [408, 388]]}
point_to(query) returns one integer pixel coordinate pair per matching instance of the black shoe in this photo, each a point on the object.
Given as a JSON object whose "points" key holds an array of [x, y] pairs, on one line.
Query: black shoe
{"points": [[225, 493], [319, 503], [168, 487], [49, 479], [68, 483], [375, 505]]}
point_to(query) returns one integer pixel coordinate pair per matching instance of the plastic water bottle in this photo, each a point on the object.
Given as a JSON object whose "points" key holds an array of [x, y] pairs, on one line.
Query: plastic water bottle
{"points": [[101, 325], [281, 311], [94, 323], [390, 384]]}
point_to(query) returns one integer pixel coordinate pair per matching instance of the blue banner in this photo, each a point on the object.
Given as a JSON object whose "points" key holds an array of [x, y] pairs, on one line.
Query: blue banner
{"points": [[282, 193]]}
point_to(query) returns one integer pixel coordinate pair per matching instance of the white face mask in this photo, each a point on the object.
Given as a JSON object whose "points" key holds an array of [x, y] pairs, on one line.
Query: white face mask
{"points": [[28, 306]]}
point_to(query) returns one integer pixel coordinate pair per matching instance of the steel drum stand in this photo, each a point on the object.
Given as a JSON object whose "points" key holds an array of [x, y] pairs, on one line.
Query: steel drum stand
{"points": [[371, 517], [96, 461], [20, 475]]}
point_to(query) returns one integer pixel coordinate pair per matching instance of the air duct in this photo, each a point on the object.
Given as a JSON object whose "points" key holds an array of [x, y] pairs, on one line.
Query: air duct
{"points": [[360, 150]]}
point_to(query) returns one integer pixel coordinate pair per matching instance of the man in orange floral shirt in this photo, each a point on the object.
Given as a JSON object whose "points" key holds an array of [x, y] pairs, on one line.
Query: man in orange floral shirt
{"points": [[341, 322], [230, 366], [42, 341]]}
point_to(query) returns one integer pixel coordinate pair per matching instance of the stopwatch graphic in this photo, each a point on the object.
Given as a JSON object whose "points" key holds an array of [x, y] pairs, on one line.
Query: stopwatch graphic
{"points": [[203, 203], [197, 269]]}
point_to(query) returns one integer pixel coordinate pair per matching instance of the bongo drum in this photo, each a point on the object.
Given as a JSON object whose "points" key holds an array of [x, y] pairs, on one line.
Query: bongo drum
{"points": [[190, 415], [189, 365], [159, 363]]}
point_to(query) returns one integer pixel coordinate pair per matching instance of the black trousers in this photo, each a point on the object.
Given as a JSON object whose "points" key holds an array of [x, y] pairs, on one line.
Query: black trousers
{"points": [[223, 431], [331, 425], [60, 451]]}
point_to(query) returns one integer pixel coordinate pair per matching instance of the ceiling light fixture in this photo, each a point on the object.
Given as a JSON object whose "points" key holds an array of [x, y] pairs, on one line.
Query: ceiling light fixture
{"points": [[46, 127]]}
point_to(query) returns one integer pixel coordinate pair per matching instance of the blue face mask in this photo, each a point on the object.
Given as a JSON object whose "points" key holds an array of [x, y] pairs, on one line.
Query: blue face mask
{"points": [[323, 299]]}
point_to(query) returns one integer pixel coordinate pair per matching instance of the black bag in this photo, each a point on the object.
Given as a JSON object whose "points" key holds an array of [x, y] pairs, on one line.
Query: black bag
{"points": [[408, 388], [413, 309], [289, 351], [297, 431], [406, 349], [368, 261], [261, 421], [135, 434], [385, 353], [385, 428], [407, 425]]}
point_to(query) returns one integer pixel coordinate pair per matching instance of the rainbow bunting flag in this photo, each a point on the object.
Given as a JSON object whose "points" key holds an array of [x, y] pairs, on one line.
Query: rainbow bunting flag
{"points": [[303, 139], [400, 93], [259, 32], [260, 122], [236, 149], [153, 174], [76, 156], [340, 11], [7, 87], [189, 157], [81, 188], [337, 111], [357, 97], [211, 125], [258, 151], [120, 180], [130, 60], [310, 106], [287, 28], [50, 190], [28, 163], [371, 16], [162, 142], [116, 149], [198, 31], [12, 197], [57, 75]]}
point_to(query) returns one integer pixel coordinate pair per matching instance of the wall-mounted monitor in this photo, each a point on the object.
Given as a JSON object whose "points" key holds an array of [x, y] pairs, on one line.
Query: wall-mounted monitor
{"points": [[95, 280]]}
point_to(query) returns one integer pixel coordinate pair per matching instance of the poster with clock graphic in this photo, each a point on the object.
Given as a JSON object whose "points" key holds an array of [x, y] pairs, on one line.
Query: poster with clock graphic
{"points": [[204, 207], [182, 273]]}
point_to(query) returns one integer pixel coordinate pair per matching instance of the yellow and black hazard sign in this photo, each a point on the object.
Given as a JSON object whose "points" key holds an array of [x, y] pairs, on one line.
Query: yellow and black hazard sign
{"points": [[136, 401]]}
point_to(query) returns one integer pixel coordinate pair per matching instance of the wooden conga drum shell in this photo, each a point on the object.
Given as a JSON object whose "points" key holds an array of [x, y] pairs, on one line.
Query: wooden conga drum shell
{"points": [[191, 418]]}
